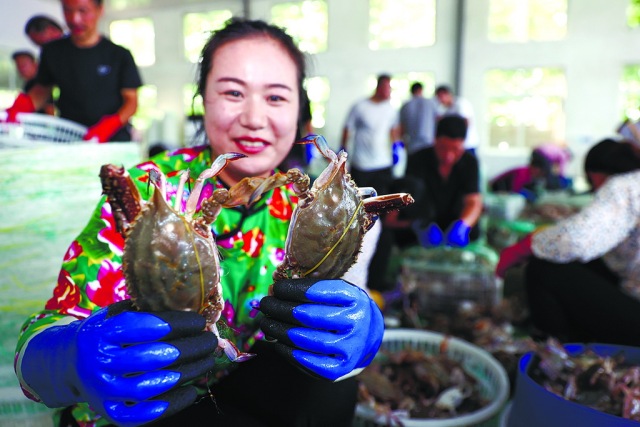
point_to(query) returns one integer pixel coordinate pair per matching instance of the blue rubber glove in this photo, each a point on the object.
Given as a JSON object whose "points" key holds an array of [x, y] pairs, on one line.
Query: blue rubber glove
{"points": [[129, 366], [458, 234], [396, 149], [430, 236], [327, 327], [531, 196]]}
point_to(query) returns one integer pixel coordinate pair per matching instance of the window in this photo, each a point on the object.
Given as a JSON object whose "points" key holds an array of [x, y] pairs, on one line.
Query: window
{"points": [[526, 106], [401, 85], [147, 108], [633, 13], [527, 20], [193, 105], [128, 4], [138, 36], [630, 92], [318, 93], [401, 23], [306, 21], [197, 28]]}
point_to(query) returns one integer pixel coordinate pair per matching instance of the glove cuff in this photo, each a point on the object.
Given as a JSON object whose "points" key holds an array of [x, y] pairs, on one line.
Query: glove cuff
{"points": [[524, 246], [106, 127], [42, 365]]}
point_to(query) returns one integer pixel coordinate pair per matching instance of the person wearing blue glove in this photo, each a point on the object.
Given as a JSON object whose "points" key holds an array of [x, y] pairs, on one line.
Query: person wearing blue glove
{"points": [[131, 367], [450, 199], [96, 366], [330, 328], [457, 235], [429, 237]]}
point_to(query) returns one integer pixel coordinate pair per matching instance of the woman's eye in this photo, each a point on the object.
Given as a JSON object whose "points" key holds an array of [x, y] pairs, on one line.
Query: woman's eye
{"points": [[233, 93], [275, 98]]}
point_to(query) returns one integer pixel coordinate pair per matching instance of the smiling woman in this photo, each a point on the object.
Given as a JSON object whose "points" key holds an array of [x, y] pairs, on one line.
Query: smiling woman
{"points": [[250, 79]]}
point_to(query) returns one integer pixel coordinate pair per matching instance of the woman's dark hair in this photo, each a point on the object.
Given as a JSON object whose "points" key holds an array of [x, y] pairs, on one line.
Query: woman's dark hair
{"points": [[239, 29], [612, 157], [541, 162]]}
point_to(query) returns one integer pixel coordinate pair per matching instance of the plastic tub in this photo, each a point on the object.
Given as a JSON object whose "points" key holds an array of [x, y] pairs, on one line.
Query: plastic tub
{"points": [[485, 368], [533, 406]]}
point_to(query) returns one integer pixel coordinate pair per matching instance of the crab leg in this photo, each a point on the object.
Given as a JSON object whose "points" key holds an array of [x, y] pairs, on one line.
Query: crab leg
{"points": [[184, 177], [300, 183], [218, 164], [337, 161], [321, 144], [387, 202], [122, 194]]}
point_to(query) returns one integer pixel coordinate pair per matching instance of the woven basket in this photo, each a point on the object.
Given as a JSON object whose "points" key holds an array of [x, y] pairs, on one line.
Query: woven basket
{"points": [[41, 127], [493, 379]]}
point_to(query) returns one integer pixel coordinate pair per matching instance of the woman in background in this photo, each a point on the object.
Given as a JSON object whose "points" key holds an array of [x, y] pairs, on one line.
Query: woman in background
{"points": [[583, 274]]}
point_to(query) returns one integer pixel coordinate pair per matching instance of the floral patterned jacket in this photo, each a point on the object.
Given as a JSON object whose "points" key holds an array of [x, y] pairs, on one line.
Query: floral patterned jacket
{"points": [[609, 228], [251, 243]]}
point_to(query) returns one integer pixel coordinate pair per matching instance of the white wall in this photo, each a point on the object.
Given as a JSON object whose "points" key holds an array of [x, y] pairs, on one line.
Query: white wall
{"points": [[12, 35], [593, 55]]}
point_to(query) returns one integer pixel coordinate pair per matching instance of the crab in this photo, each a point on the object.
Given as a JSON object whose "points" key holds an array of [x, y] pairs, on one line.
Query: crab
{"points": [[328, 225], [170, 259]]}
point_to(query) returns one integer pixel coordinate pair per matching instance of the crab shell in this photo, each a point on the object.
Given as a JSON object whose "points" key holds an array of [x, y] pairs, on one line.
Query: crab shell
{"points": [[327, 227], [168, 265]]}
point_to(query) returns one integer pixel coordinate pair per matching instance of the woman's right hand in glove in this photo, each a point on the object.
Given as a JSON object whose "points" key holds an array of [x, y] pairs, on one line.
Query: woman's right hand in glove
{"points": [[131, 367]]}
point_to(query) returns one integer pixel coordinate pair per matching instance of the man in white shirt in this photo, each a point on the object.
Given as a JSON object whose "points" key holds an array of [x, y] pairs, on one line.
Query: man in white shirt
{"points": [[373, 123]]}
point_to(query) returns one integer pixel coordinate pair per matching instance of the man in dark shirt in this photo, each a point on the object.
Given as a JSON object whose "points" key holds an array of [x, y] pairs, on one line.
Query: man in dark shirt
{"points": [[97, 79], [450, 199]]}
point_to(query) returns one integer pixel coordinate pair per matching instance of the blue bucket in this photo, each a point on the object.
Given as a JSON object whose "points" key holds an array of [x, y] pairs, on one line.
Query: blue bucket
{"points": [[533, 406]]}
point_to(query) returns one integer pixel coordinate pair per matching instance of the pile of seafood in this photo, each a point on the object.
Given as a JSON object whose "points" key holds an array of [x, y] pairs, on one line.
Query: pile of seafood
{"points": [[494, 329], [605, 383], [545, 213], [413, 384]]}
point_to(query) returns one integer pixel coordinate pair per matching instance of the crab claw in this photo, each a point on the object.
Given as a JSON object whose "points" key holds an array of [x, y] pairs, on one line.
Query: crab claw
{"points": [[321, 144], [232, 352], [216, 167], [387, 202]]}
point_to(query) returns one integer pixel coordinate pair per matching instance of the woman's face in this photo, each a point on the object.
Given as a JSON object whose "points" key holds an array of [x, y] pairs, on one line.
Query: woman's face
{"points": [[251, 105]]}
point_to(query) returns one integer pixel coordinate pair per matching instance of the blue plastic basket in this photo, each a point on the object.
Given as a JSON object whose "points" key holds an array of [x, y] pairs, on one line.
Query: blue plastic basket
{"points": [[533, 406]]}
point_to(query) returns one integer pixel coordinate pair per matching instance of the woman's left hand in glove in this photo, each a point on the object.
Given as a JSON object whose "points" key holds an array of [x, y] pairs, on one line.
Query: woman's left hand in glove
{"points": [[328, 327]]}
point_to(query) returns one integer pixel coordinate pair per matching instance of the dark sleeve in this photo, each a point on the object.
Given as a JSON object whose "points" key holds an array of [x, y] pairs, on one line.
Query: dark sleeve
{"points": [[415, 163], [44, 76], [130, 75]]}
